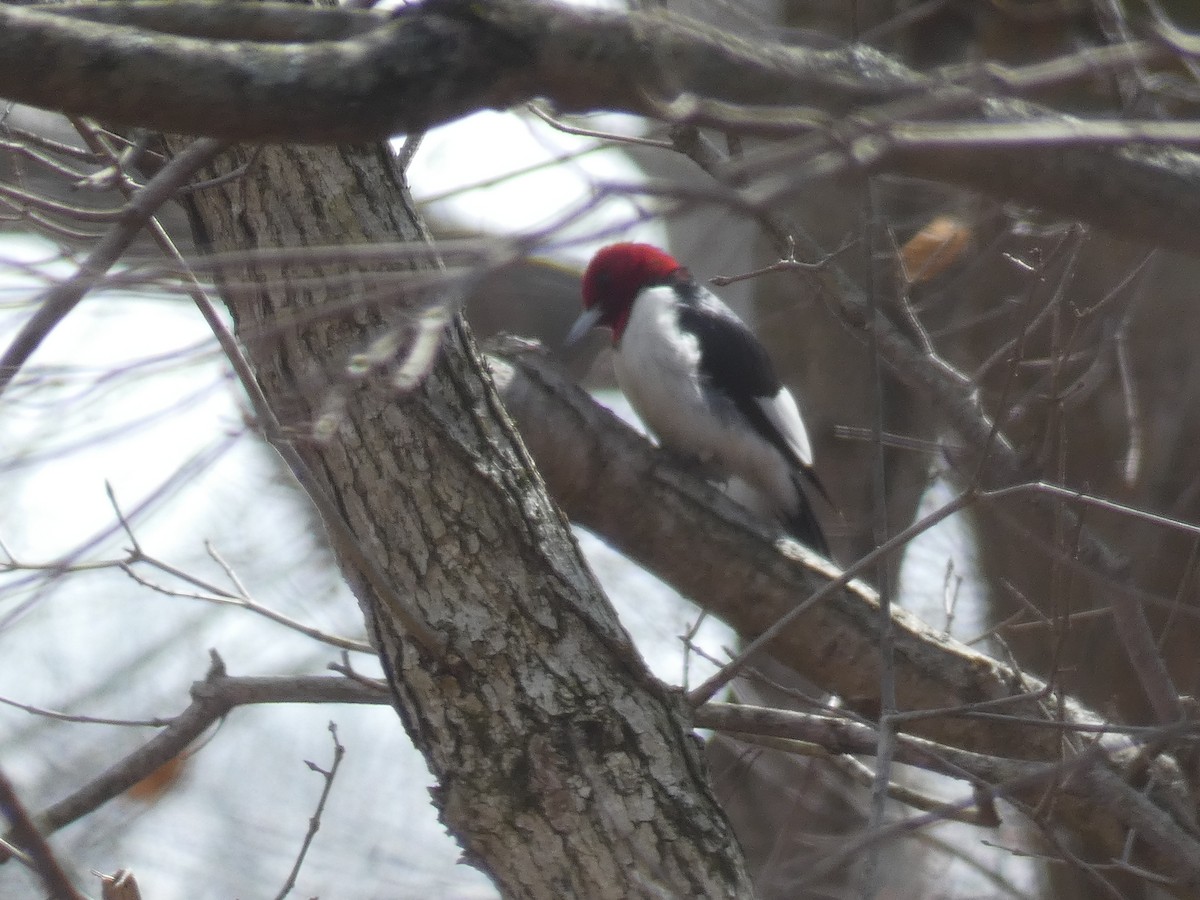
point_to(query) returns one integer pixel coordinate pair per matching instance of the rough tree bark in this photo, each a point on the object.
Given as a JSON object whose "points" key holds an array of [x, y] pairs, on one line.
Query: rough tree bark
{"points": [[564, 767]]}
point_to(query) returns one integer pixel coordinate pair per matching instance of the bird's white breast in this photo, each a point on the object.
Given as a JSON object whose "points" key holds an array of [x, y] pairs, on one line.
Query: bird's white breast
{"points": [[658, 368]]}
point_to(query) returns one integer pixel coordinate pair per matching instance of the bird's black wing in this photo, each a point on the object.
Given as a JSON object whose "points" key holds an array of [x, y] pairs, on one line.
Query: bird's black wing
{"points": [[804, 525], [734, 362], [736, 365]]}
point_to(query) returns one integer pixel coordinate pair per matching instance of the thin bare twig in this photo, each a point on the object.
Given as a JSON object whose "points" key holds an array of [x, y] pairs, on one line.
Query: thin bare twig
{"points": [[412, 143], [45, 160], [787, 264], [863, 775], [6, 847], [854, 847], [25, 201], [607, 136], [58, 301], [120, 885], [136, 548], [211, 593], [314, 823], [67, 562], [82, 720], [212, 699], [886, 744], [688, 640], [345, 668], [709, 688]]}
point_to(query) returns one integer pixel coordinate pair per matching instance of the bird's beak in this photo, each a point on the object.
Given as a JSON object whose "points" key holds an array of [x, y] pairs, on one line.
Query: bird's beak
{"points": [[586, 321]]}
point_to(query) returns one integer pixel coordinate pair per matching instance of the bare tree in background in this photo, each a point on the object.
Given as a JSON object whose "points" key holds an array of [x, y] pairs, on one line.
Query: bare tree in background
{"points": [[1028, 337]]}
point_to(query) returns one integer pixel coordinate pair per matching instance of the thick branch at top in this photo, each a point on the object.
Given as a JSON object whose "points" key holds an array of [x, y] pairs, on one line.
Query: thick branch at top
{"points": [[351, 75], [277, 72]]}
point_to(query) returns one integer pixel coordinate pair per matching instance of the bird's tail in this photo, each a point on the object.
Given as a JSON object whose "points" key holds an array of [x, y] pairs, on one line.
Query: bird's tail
{"points": [[803, 524]]}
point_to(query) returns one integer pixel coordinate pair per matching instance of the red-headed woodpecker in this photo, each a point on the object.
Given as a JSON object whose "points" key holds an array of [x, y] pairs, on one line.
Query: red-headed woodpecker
{"points": [[702, 382]]}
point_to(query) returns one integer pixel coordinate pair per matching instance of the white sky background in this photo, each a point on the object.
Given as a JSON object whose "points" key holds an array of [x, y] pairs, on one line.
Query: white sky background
{"points": [[101, 645]]}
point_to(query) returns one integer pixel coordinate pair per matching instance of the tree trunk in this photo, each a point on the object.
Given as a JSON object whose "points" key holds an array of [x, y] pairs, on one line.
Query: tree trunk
{"points": [[564, 767]]}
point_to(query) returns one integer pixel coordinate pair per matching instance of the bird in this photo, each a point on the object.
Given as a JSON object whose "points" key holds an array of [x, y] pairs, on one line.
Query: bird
{"points": [[702, 382]]}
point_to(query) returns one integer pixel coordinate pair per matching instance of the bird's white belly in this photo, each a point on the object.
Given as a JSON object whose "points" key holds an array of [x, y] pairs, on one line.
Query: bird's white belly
{"points": [[669, 402], [656, 368]]}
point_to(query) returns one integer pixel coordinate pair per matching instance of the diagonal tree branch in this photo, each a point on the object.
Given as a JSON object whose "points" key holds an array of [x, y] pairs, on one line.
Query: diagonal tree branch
{"points": [[610, 480]]}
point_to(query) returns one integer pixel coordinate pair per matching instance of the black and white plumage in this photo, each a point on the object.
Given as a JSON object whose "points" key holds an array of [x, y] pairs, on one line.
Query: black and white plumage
{"points": [[702, 382]]}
